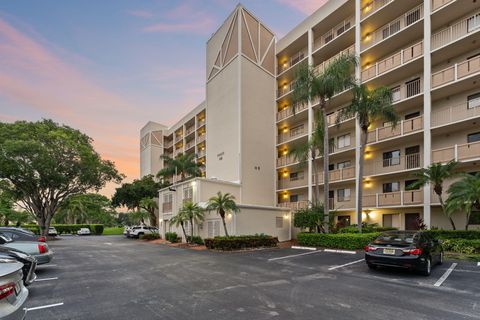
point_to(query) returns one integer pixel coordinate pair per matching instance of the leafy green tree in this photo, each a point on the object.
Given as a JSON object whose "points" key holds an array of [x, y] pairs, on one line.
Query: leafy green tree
{"points": [[45, 163], [435, 175], [367, 107], [311, 85], [179, 220], [184, 165], [222, 204], [193, 213], [138, 195], [86, 208], [465, 195]]}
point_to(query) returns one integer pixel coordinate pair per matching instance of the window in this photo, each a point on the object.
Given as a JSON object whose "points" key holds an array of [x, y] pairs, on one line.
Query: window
{"points": [[391, 187], [329, 37], [412, 115], [473, 137], [294, 176], [187, 193], [396, 94], [408, 184], [213, 228], [391, 158], [295, 131], [343, 221], [343, 195], [331, 166], [473, 22], [279, 222], [294, 198], [473, 101], [343, 141], [168, 198], [344, 164]]}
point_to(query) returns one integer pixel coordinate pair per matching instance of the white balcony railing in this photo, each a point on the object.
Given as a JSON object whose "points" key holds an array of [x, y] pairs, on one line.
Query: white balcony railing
{"points": [[334, 33], [399, 198], [457, 152], [451, 114], [456, 72], [320, 67], [293, 205], [286, 160], [456, 31], [437, 4], [201, 138], [286, 88], [403, 128], [292, 134], [293, 60], [288, 111], [407, 162], [373, 7], [407, 90]]}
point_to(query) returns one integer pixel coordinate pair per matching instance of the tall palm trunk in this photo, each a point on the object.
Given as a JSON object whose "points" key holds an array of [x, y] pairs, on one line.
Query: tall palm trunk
{"points": [[184, 233], [316, 181], [326, 204], [222, 215], [444, 209], [363, 143]]}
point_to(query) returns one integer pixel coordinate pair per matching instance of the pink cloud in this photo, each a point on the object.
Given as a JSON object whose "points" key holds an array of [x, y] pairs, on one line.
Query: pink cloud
{"points": [[305, 6], [141, 13]]}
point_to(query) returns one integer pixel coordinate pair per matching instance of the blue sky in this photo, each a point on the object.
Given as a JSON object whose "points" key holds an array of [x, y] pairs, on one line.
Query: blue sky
{"points": [[107, 67]]}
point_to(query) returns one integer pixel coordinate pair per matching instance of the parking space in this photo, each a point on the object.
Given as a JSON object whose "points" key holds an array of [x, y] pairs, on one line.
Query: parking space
{"points": [[118, 278]]}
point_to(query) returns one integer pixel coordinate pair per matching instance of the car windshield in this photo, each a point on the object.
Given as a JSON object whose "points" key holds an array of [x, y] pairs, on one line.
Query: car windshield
{"points": [[401, 238]]}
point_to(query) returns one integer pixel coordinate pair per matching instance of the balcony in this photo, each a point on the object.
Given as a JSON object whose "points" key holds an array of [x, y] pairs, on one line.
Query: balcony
{"points": [[456, 72], [398, 59], [286, 160], [342, 203], [458, 152], [293, 205], [456, 31], [407, 162], [437, 4], [200, 122], [177, 152], [190, 130], [288, 111], [167, 207], [294, 59], [201, 138], [285, 89], [338, 175], [292, 134], [390, 199], [201, 154], [453, 114], [168, 144], [405, 127], [334, 33], [319, 68], [178, 137], [407, 90], [288, 183], [373, 7], [332, 118], [393, 27], [190, 144]]}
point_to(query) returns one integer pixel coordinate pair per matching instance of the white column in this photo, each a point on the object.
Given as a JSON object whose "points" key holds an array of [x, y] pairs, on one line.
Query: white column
{"points": [[358, 182], [310, 118], [427, 107]]}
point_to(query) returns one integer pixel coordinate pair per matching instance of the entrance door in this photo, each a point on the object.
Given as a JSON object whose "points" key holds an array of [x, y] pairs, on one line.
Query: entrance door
{"points": [[411, 221], [412, 157]]}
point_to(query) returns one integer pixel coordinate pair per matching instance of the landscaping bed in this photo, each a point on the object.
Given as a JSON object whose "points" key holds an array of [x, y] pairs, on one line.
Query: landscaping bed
{"points": [[241, 242], [348, 241]]}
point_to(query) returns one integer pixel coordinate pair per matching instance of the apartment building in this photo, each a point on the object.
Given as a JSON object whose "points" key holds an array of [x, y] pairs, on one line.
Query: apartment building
{"points": [[427, 52]]}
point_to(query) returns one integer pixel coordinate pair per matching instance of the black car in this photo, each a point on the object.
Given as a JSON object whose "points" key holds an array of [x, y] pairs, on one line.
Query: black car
{"points": [[18, 234], [414, 250], [29, 263]]}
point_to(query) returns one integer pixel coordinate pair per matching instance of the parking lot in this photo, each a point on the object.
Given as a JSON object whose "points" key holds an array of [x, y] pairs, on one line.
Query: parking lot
{"points": [[110, 277]]}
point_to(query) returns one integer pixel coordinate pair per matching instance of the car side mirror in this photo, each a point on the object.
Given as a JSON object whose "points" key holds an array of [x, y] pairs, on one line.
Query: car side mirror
{"points": [[4, 239]]}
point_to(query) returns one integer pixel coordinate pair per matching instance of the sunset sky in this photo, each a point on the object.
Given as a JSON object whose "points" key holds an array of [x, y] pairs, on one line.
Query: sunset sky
{"points": [[107, 67]]}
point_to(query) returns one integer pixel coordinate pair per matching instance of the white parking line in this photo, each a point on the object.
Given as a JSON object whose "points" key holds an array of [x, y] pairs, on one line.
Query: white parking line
{"points": [[294, 255], [478, 264], [445, 275], [346, 264], [340, 251], [46, 279], [45, 307], [47, 265], [304, 248]]}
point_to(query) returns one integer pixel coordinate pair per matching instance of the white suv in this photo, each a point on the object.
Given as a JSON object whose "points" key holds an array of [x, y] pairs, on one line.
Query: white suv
{"points": [[138, 231]]}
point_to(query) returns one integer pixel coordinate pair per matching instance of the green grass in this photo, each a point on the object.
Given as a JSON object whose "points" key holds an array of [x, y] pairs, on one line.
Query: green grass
{"points": [[462, 256], [112, 231]]}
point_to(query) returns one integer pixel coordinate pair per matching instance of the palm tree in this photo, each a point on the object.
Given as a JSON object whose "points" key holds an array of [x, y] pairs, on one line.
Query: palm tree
{"points": [[183, 164], [222, 204], [435, 175], [465, 195], [150, 205], [310, 85], [179, 220], [367, 107], [193, 213], [311, 151]]}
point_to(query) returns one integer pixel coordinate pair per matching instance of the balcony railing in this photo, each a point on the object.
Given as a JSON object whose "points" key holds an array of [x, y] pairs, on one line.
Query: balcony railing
{"points": [[403, 128], [319, 68], [285, 89], [190, 130], [402, 57], [407, 162], [407, 90], [393, 27], [190, 144], [177, 152], [286, 160], [334, 33], [294, 59], [201, 153], [338, 175], [456, 72], [288, 111], [456, 31], [436, 4], [452, 114], [332, 118], [292, 134], [168, 144], [201, 138], [458, 152], [399, 198], [178, 137], [167, 207], [293, 205], [287, 183], [373, 7], [200, 123]]}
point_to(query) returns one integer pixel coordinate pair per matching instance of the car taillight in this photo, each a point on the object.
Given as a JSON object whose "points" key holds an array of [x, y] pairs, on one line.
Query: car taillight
{"points": [[7, 290], [41, 239], [415, 251], [42, 248], [369, 248]]}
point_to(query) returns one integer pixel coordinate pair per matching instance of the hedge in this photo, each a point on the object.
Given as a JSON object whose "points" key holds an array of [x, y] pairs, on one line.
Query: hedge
{"points": [[171, 236], [195, 239], [365, 229], [349, 241], [455, 234], [241, 242], [68, 228], [462, 246], [150, 236]]}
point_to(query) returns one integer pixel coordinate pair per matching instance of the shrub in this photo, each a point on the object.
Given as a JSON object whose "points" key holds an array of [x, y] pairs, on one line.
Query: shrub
{"points": [[171, 236], [462, 246], [241, 242], [195, 239], [366, 228], [150, 236], [455, 234], [349, 241], [96, 229]]}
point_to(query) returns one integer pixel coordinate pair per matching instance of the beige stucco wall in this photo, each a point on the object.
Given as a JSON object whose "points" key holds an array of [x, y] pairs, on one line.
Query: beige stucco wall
{"points": [[252, 220], [451, 138]]}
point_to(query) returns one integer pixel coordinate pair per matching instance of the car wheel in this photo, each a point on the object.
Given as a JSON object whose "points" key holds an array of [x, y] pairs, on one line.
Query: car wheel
{"points": [[371, 266], [427, 269], [140, 234], [440, 259]]}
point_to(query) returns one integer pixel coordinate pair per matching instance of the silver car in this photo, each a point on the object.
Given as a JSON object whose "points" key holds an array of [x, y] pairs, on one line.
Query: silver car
{"points": [[39, 250], [13, 293]]}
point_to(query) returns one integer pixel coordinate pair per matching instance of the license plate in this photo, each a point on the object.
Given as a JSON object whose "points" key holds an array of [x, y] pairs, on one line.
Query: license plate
{"points": [[17, 289], [389, 251]]}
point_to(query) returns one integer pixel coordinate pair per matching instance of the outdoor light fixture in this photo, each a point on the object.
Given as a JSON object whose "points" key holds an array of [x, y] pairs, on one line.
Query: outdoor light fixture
{"points": [[368, 37], [285, 174]]}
